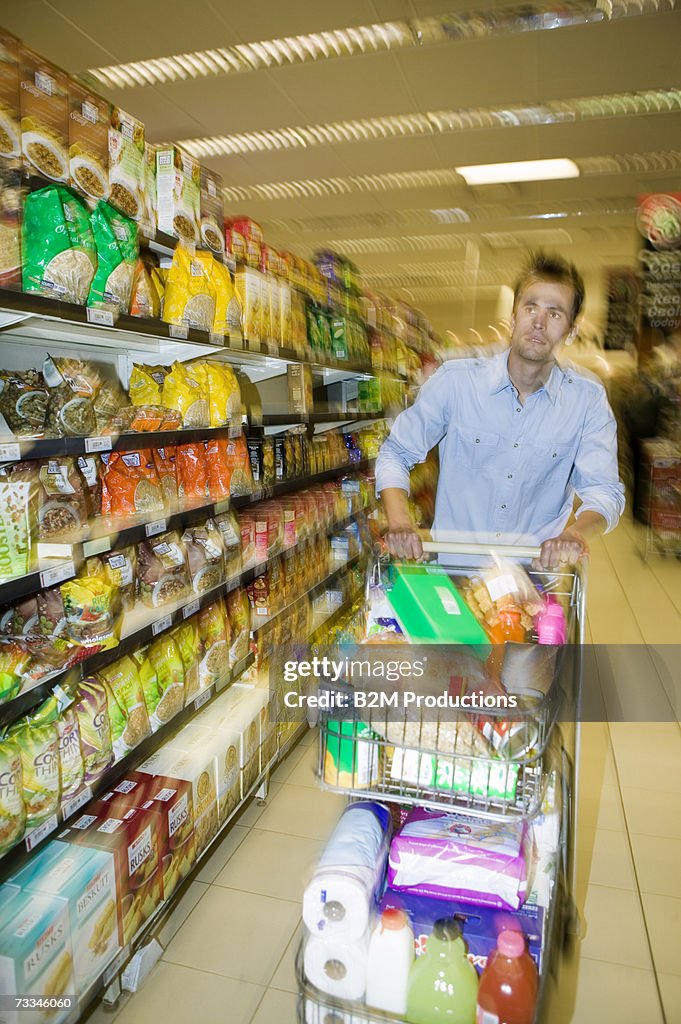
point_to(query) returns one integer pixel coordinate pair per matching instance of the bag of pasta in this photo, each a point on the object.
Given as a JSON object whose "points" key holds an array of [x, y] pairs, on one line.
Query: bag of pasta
{"points": [[184, 390], [145, 301], [73, 387], [117, 250], [146, 384], [130, 485], [190, 291], [227, 319], [230, 531], [239, 615], [58, 249]]}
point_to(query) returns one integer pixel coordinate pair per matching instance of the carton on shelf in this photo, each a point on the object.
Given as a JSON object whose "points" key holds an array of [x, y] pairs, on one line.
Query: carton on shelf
{"points": [[220, 739], [89, 120], [148, 220], [126, 164], [85, 880], [10, 107], [300, 390], [178, 194], [44, 117], [211, 216], [133, 836], [36, 957]]}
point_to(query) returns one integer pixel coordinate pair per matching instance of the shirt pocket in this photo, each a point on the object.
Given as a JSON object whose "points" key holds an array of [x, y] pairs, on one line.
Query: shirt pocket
{"points": [[548, 458], [475, 449]]}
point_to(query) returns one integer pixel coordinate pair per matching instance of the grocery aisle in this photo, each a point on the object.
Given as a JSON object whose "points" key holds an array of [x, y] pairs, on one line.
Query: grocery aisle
{"points": [[230, 945]]}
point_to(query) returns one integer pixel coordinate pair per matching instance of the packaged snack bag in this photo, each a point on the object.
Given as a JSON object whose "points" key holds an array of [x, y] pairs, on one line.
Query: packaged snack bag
{"points": [[165, 461], [90, 469], [23, 402], [190, 291], [214, 639], [127, 710], [146, 384], [230, 531], [227, 320], [12, 809], [117, 251], [192, 472], [119, 569], [166, 660], [183, 391], [224, 395], [218, 468], [130, 485], [186, 636], [239, 614], [73, 387], [59, 252], [204, 547], [62, 502], [162, 574], [70, 756], [88, 606], [92, 712], [17, 517], [241, 480], [38, 742], [144, 299]]}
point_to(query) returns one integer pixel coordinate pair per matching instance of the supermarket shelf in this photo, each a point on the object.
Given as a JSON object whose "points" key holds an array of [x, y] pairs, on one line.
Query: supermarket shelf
{"points": [[151, 625], [59, 561], [57, 447], [284, 418], [268, 622], [15, 858]]}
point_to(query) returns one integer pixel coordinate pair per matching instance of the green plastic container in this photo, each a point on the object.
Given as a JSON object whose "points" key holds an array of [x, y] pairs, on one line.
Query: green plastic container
{"points": [[431, 610]]}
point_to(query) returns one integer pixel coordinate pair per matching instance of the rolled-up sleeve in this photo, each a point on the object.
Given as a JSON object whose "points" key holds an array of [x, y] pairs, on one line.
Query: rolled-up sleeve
{"points": [[415, 432], [596, 477]]}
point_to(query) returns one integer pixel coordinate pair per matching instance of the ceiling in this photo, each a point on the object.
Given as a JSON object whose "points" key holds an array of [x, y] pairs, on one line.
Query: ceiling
{"points": [[496, 89]]}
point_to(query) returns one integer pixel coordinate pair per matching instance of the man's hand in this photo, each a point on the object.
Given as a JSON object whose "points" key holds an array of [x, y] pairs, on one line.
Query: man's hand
{"points": [[404, 542], [568, 548]]}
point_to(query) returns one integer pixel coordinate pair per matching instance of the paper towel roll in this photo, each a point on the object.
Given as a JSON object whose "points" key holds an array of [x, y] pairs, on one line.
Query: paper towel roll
{"points": [[337, 966], [340, 898]]}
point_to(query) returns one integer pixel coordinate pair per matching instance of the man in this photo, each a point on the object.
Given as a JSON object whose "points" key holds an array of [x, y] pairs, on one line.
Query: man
{"points": [[519, 436]]}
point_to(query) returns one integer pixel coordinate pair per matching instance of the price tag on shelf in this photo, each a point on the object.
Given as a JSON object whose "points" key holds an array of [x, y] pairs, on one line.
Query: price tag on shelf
{"points": [[222, 506], [191, 608], [179, 331], [216, 339], [10, 452], [203, 698], [161, 624], [115, 966], [158, 526], [232, 584], [39, 833], [235, 431], [103, 317], [70, 807], [51, 577], [97, 444]]}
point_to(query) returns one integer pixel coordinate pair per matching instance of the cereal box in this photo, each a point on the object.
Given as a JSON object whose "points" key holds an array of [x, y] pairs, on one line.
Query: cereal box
{"points": [[126, 163], [44, 117], [10, 110], [178, 193], [185, 760], [212, 235], [89, 120]]}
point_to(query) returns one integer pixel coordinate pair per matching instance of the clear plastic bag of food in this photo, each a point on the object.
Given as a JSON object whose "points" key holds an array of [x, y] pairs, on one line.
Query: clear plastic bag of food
{"points": [[92, 711], [167, 663], [186, 636], [73, 387], [508, 585], [192, 472], [70, 755], [127, 709], [205, 550], [162, 572], [146, 384], [89, 609], [190, 291], [214, 639], [224, 395], [38, 742], [165, 460], [145, 301], [185, 390], [23, 402], [130, 485]]}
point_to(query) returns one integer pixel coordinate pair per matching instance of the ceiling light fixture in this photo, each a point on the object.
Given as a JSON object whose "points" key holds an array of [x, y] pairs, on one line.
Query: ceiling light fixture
{"points": [[518, 170]]}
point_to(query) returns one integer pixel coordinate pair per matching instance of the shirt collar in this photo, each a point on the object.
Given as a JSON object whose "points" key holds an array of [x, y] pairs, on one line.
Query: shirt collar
{"points": [[500, 379]]}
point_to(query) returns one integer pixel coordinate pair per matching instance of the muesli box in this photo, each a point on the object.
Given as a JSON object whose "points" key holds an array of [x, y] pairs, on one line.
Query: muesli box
{"points": [[178, 194], [126, 164], [10, 109], [211, 212], [89, 120], [44, 117]]}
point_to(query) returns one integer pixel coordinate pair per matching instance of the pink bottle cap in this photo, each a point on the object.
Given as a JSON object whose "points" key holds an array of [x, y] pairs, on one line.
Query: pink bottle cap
{"points": [[511, 943]]}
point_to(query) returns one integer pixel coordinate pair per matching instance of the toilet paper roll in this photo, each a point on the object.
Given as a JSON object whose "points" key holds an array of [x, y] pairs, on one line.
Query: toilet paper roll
{"points": [[337, 966], [340, 898]]}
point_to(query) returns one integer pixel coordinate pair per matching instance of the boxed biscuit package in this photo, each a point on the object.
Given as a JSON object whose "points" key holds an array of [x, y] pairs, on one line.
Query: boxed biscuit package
{"points": [[242, 706], [178, 193], [134, 837], [185, 760], [86, 881], [36, 957], [89, 120], [126, 163], [225, 743], [44, 117]]}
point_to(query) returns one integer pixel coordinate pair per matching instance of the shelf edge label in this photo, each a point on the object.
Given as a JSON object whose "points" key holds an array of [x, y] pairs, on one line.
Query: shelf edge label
{"points": [[39, 833], [97, 444], [10, 453], [161, 625], [191, 608], [50, 577], [103, 317], [157, 526], [70, 807], [203, 698]]}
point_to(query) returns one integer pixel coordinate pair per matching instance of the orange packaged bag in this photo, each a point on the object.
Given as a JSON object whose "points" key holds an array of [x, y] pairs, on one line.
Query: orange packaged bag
{"points": [[241, 479], [192, 472], [165, 460], [219, 469], [130, 485]]}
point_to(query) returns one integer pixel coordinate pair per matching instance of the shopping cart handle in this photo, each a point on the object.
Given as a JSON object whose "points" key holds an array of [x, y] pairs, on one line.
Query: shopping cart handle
{"points": [[505, 550]]}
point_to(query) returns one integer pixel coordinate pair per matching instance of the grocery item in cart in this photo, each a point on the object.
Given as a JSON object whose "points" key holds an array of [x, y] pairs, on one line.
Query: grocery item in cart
{"points": [[391, 954], [352, 759], [86, 881], [162, 573], [340, 899], [508, 585], [437, 853], [36, 953], [23, 401], [130, 485], [454, 775], [508, 987], [443, 984], [12, 809], [117, 250], [58, 250], [73, 387], [430, 609], [337, 965]]}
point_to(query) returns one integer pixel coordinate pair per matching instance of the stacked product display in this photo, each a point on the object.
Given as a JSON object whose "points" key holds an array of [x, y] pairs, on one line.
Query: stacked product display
{"points": [[442, 891]]}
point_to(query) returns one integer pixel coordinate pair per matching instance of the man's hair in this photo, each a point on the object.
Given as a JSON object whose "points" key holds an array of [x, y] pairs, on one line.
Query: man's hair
{"points": [[542, 266]]}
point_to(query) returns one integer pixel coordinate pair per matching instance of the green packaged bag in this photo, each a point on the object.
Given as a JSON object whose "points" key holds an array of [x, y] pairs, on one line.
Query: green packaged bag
{"points": [[59, 253], [37, 738], [117, 251]]}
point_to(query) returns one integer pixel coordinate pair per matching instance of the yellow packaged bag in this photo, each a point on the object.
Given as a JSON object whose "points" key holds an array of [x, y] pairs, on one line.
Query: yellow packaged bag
{"points": [[127, 708], [167, 663], [224, 395], [190, 291], [146, 384], [227, 319], [185, 389]]}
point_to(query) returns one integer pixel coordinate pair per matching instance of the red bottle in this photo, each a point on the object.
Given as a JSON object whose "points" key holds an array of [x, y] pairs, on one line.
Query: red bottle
{"points": [[508, 986]]}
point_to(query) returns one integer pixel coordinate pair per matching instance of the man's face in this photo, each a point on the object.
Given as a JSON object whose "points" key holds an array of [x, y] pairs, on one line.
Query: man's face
{"points": [[541, 320]]}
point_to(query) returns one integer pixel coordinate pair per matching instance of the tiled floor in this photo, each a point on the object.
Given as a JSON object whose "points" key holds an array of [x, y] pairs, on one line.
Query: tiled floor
{"points": [[229, 946]]}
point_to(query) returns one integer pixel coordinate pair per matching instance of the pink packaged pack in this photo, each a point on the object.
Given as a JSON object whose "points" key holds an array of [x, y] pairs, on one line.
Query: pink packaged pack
{"points": [[454, 856]]}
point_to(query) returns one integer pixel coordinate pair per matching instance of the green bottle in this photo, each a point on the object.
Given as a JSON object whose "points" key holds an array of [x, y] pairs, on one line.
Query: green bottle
{"points": [[443, 984]]}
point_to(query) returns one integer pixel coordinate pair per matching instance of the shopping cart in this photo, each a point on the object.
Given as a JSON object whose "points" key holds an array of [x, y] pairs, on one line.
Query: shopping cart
{"points": [[436, 762]]}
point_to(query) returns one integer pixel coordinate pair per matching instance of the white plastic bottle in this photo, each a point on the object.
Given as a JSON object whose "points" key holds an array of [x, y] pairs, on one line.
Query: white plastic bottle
{"points": [[391, 954]]}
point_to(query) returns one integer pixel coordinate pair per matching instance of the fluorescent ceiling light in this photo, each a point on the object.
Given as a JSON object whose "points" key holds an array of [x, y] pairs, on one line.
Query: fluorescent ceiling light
{"points": [[519, 170]]}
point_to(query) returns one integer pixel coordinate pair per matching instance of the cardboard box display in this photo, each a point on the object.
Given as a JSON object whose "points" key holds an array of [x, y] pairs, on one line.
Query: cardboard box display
{"points": [[185, 760], [89, 121], [243, 714], [36, 956], [211, 214], [300, 388], [134, 838], [126, 164], [225, 742], [44, 117], [10, 107], [178, 194], [86, 881]]}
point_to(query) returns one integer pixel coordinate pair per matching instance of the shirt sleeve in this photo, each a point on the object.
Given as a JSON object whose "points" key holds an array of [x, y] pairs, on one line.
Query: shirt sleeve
{"points": [[596, 475], [415, 432]]}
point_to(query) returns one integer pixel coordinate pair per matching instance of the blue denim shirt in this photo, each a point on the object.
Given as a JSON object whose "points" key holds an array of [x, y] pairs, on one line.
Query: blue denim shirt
{"points": [[508, 472]]}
